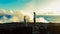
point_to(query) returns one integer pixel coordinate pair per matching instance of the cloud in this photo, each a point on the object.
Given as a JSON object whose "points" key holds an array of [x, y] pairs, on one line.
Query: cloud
{"points": [[2, 11], [17, 16], [21, 15]]}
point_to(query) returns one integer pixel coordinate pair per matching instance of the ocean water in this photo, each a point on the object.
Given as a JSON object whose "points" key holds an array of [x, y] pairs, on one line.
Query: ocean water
{"points": [[5, 18], [50, 18]]}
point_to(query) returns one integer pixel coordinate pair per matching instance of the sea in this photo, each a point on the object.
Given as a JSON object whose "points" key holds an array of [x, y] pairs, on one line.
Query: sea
{"points": [[50, 18]]}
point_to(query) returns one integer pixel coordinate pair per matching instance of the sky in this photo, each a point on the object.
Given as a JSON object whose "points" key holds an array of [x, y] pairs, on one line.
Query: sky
{"points": [[27, 7], [48, 7], [44, 6], [13, 4]]}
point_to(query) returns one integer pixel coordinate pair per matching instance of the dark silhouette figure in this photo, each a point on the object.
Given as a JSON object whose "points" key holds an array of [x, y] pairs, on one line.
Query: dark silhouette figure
{"points": [[25, 19], [25, 23], [34, 18]]}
